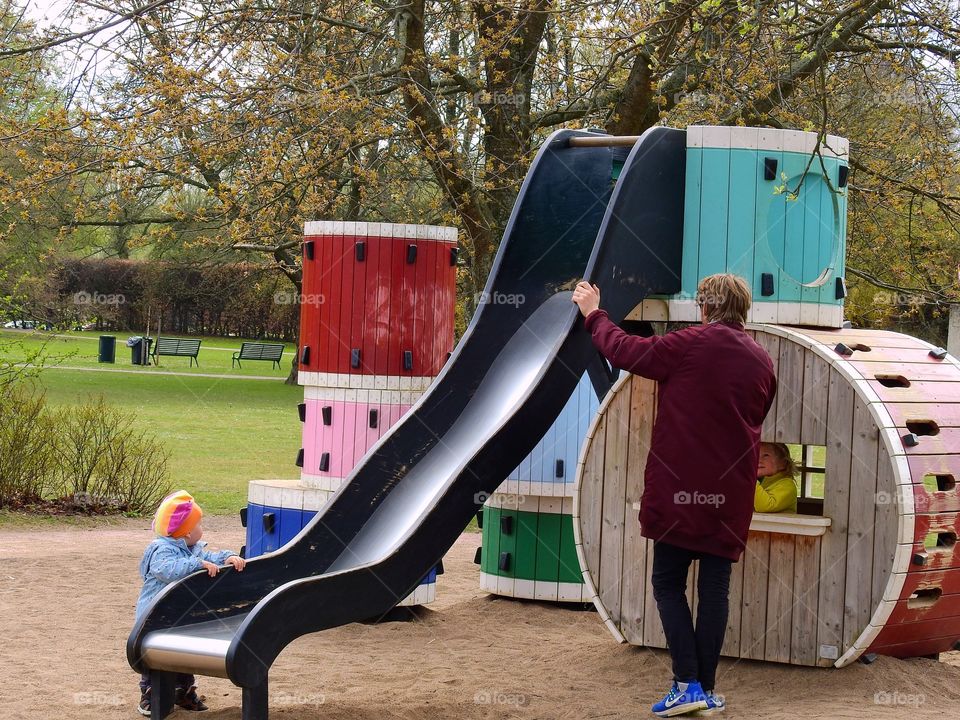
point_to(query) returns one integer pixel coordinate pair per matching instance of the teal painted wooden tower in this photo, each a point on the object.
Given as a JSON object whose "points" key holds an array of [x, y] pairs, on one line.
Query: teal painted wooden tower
{"points": [[769, 205]]}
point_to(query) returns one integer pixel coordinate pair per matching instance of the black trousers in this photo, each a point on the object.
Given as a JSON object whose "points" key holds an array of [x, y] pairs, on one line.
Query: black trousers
{"points": [[695, 651]]}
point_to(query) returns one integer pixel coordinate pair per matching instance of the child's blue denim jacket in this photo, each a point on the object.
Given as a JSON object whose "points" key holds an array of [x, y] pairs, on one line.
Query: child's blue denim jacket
{"points": [[168, 559]]}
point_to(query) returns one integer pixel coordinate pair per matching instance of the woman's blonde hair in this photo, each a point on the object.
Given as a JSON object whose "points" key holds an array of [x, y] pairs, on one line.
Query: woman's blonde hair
{"points": [[782, 453], [725, 297]]}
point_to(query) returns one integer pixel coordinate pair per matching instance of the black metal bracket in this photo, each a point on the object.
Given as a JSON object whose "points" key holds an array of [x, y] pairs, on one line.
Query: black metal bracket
{"points": [[506, 524], [769, 168], [504, 563], [299, 461], [840, 290], [558, 470], [269, 522], [308, 249], [408, 360], [360, 249], [938, 353], [355, 358], [454, 254], [844, 174], [766, 284], [327, 413], [374, 418], [305, 355], [411, 254], [243, 517], [325, 462], [302, 411]]}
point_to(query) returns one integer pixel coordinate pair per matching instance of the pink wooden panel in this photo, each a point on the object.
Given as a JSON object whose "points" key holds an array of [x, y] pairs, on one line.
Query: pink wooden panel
{"points": [[945, 413], [932, 370], [347, 438]]}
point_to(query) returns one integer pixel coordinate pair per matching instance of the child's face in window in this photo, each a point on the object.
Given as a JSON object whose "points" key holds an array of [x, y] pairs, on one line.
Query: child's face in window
{"points": [[769, 464]]}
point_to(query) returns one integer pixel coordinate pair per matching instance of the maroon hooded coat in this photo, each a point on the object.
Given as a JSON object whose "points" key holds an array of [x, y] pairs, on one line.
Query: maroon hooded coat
{"points": [[716, 385]]}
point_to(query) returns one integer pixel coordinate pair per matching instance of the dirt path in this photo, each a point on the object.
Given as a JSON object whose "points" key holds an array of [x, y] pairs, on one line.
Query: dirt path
{"points": [[66, 605]]}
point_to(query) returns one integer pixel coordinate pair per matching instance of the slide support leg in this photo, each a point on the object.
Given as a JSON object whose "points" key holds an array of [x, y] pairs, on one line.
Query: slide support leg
{"points": [[255, 702], [162, 686]]}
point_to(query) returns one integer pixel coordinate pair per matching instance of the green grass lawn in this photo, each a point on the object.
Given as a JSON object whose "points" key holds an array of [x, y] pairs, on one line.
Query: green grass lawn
{"points": [[220, 432], [79, 349]]}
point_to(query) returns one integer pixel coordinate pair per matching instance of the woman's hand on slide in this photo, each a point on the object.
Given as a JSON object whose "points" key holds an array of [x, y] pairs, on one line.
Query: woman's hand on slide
{"points": [[587, 297]]}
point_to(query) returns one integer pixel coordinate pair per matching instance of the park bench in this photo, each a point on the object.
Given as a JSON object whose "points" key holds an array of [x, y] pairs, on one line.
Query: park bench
{"points": [[178, 347], [258, 351]]}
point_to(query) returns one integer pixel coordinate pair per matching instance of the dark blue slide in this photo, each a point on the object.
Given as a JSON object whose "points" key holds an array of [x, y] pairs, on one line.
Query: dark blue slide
{"points": [[413, 493]]}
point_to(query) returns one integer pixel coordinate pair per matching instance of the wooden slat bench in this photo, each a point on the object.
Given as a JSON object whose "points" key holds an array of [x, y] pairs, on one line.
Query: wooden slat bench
{"points": [[177, 347], [259, 351]]}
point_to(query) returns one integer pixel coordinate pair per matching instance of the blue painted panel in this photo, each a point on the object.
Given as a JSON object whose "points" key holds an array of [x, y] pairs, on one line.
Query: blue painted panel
{"points": [[562, 440], [745, 167], [714, 210], [271, 540], [290, 524], [254, 530], [691, 222]]}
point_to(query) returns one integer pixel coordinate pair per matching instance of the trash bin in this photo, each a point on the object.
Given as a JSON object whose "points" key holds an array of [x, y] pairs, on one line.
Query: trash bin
{"points": [[139, 349], [108, 349]]}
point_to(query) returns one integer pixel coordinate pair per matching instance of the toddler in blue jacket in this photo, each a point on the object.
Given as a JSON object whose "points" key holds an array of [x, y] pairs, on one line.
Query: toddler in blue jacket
{"points": [[174, 554]]}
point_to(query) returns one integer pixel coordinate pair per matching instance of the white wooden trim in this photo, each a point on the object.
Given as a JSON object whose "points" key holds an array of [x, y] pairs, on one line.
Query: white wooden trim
{"points": [[369, 382], [681, 309], [545, 489], [430, 233], [790, 524]]}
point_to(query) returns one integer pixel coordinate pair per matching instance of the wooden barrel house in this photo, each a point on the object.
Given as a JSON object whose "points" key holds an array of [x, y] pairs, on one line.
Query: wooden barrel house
{"points": [[869, 564]]}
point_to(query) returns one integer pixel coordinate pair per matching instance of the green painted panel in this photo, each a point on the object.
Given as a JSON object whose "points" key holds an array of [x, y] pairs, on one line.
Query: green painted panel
{"points": [[490, 545], [569, 563], [525, 553], [542, 546], [508, 544], [548, 546]]}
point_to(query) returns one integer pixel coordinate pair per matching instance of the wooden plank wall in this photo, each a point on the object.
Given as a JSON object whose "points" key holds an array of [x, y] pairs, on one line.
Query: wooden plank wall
{"points": [[793, 599]]}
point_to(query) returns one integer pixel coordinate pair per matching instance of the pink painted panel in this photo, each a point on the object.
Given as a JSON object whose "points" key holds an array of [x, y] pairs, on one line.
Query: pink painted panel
{"points": [[347, 438]]}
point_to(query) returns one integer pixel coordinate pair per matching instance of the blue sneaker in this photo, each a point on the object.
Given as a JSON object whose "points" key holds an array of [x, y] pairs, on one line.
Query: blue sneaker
{"points": [[683, 698], [715, 705]]}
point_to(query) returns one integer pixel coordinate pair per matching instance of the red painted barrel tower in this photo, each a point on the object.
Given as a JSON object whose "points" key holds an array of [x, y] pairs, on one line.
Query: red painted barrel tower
{"points": [[376, 327]]}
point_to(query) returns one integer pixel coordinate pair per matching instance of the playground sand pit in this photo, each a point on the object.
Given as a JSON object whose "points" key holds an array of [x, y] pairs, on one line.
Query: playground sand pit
{"points": [[67, 603]]}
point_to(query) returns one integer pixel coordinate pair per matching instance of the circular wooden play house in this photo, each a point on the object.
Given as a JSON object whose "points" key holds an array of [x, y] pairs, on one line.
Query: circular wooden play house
{"points": [[376, 326], [868, 565]]}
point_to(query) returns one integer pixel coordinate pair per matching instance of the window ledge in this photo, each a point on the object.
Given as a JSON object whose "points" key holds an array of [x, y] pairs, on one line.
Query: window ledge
{"points": [[789, 524]]}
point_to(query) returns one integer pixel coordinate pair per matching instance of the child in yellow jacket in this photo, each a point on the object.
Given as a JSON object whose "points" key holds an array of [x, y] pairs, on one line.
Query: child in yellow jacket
{"points": [[776, 490]]}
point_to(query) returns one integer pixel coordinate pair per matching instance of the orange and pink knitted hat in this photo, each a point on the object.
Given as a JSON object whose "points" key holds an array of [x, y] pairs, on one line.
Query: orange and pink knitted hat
{"points": [[177, 515]]}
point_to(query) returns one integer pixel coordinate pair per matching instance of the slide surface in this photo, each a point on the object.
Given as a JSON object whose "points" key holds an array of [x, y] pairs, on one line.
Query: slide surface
{"points": [[410, 497]]}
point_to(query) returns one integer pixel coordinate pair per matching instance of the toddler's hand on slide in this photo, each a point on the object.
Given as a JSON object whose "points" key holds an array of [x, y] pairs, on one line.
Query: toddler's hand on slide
{"points": [[237, 562], [211, 568]]}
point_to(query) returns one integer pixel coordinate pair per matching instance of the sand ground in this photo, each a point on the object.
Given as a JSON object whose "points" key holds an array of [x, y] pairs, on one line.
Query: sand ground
{"points": [[66, 604]]}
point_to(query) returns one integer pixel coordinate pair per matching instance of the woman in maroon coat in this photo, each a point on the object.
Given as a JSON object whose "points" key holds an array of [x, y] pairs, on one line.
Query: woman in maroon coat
{"points": [[715, 386]]}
